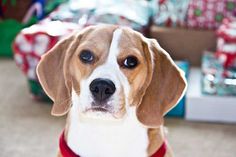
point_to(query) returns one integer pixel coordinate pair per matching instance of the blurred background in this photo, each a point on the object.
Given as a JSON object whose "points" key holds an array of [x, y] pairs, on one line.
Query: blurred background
{"points": [[200, 36]]}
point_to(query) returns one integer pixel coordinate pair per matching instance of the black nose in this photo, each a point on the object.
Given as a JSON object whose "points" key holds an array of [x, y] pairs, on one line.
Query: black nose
{"points": [[102, 89]]}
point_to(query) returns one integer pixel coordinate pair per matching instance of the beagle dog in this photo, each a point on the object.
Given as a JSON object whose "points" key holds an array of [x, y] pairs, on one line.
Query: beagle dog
{"points": [[116, 85]]}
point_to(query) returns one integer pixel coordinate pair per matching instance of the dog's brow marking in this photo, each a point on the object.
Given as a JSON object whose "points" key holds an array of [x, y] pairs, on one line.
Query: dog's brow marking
{"points": [[114, 50]]}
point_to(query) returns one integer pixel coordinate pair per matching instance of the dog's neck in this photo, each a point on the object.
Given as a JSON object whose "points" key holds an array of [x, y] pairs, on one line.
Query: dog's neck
{"points": [[90, 137]]}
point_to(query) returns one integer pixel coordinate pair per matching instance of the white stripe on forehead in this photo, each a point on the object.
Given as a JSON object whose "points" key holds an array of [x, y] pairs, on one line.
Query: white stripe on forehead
{"points": [[114, 49]]}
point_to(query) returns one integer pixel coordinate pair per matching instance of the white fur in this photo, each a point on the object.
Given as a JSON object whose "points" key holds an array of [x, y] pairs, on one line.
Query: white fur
{"points": [[101, 138], [97, 134]]}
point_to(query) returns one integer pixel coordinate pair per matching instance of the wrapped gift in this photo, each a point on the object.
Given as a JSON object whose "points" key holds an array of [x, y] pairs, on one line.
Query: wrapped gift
{"points": [[171, 12], [134, 14], [12, 13], [32, 42], [74, 12], [16, 15], [228, 59], [226, 43], [209, 14], [216, 80], [208, 107]]}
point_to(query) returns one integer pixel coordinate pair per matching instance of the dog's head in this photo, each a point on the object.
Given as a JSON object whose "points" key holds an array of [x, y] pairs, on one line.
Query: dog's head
{"points": [[106, 69]]}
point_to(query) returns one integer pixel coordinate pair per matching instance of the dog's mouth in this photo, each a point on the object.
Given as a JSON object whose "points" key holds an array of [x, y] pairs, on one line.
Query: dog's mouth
{"points": [[98, 109], [103, 111]]}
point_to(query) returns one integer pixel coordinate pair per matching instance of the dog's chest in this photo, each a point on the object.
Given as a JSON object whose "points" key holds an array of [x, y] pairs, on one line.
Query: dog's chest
{"points": [[103, 139]]}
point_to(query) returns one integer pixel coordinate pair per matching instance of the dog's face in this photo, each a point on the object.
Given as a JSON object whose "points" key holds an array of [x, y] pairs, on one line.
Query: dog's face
{"points": [[106, 69]]}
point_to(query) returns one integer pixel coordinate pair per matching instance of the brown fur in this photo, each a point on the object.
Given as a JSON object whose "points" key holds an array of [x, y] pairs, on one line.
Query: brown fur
{"points": [[156, 139], [156, 83], [165, 86]]}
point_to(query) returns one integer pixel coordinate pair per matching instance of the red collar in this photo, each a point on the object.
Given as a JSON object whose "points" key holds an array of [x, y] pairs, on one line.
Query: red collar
{"points": [[67, 152]]}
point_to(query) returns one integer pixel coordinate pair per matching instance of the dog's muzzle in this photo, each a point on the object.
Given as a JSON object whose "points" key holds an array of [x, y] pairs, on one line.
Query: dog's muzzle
{"points": [[104, 103]]}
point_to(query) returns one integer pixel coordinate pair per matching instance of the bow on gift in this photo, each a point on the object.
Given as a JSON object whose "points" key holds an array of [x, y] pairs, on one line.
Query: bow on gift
{"points": [[228, 59]]}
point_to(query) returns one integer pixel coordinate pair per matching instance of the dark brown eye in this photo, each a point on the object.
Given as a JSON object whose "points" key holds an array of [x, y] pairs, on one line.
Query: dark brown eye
{"points": [[86, 56], [130, 62]]}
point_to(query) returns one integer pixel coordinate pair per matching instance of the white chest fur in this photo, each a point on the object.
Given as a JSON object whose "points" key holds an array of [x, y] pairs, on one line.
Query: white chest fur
{"points": [[93, 138]]}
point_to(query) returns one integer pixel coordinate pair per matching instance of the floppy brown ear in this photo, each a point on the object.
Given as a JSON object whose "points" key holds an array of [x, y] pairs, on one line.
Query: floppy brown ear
{"points": [[54, 77], [166, 86]]}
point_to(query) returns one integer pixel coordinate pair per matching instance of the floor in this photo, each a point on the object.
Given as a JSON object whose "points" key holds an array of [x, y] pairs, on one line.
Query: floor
{"points": [[28, 129]]}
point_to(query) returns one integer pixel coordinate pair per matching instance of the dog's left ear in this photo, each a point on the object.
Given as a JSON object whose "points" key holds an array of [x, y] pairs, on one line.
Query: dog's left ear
{"points": [[164, 87], [53, 74]]}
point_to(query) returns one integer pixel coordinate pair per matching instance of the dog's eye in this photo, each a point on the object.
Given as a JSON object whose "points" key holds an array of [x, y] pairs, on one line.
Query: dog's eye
{"points": [[130, 62], [86, 56]]}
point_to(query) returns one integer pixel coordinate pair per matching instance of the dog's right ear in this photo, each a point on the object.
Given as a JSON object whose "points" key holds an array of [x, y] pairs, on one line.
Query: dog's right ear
{"points": [[53, 74]]}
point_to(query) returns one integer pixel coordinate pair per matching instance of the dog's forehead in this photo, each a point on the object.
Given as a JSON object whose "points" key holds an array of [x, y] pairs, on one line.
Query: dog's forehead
{"points": [[99, 35], [103, 36], [130, 40]]}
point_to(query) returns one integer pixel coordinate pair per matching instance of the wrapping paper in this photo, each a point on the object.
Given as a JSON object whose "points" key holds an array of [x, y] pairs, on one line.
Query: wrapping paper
{"points": [[216, 80], [209, 14], [219, 69], [226, 43], [171, 12], [31, 43], [136, 14]]}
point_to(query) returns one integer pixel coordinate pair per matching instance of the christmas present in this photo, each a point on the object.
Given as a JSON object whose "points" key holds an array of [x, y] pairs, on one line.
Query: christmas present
{"points": [[32, 42], [216, 80], [11, 23], [134, 14], [227, 58], [226, 43], [227, 32], [16, 15], [73, 11], [209, 14], [9, 29], [37, 91], [207, 107], [51, 5], [170, 12]]}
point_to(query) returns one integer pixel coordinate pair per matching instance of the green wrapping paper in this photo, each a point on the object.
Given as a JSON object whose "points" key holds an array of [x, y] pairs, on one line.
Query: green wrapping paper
{"points": [[8, 30]]}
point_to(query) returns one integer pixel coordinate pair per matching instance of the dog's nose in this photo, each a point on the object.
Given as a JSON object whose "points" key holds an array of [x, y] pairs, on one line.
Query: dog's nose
{"points": [[102, 89]]}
